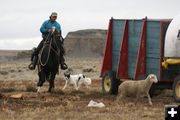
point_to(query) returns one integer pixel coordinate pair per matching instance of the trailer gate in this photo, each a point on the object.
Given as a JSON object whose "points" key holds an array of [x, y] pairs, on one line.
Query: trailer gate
{"points": [[134, 48]]}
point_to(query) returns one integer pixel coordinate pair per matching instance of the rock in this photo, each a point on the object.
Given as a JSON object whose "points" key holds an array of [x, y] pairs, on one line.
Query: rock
{"points": [[17, 96], [88, 70], [2, 96], [4, 72], [85, 43], [69, 71]]}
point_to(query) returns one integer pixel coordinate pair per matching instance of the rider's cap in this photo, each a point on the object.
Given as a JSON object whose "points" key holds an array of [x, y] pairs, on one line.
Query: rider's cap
{"points": [[54, 14]]}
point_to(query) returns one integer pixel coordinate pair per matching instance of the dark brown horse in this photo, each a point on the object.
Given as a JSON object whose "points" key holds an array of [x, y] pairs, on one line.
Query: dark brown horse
{"points": [[48, 64]]}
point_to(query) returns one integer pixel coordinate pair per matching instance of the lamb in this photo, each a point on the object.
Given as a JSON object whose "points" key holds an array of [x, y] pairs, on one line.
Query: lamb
{"points": [[76, 80], [137, 88]]}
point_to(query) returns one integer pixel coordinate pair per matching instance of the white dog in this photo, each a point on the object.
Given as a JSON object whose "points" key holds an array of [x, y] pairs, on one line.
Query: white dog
{"points": [[76, 80], [86, 82]]}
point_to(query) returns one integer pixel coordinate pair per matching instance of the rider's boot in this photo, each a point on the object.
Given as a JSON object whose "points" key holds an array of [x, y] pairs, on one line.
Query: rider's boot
{"points": [[32, 66], [63, 64]]}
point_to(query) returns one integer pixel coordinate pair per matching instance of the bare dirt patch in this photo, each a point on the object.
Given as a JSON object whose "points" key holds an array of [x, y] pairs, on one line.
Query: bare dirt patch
{"points": [[71, 104], [15, 78]]}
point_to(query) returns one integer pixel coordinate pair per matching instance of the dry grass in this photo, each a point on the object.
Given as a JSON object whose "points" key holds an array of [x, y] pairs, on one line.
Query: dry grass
{"points": [[18, 70], [70, 104], [15, 78]]}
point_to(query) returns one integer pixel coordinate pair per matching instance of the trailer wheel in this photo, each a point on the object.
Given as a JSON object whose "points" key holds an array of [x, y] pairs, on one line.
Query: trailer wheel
{"points": [[176, 89], [109, 83]]}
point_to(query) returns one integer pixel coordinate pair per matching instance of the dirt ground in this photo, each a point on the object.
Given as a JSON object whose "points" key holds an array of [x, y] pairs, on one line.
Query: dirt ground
{"points": [[15, 78], [18, 69], [71, 104]]}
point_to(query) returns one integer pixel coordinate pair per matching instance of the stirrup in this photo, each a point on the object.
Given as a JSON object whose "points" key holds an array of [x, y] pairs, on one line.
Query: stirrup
{"points": [[64, 66], [31, 66]]}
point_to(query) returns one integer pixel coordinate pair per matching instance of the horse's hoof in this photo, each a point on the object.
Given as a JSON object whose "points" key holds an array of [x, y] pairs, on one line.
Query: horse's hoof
{"points": [[51, 90], [38, 89]]}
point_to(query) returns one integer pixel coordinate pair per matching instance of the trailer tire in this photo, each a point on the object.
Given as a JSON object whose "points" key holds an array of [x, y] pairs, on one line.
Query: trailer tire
{"points": [[176, 89], [109, 83]]}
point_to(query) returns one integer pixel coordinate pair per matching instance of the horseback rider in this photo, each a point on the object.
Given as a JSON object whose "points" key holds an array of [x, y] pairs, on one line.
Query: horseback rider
{"points": [[48, 27]]}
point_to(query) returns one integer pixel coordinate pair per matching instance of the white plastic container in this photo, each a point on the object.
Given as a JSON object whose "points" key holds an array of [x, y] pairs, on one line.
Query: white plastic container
{"points": [[172, 39]]}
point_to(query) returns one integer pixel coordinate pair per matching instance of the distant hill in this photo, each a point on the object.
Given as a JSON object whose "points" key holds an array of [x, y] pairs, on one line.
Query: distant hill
{"points": [[85, 43], [10, 55], [81, 43], [6, 55]]}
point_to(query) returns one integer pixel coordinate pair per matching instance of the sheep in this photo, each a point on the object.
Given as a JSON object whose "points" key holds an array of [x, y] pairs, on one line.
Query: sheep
{"points": [[72, 80], [137, 88]]}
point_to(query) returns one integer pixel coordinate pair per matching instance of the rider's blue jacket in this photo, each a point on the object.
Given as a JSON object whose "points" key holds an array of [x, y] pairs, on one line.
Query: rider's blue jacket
{"points": [[48, 24]]}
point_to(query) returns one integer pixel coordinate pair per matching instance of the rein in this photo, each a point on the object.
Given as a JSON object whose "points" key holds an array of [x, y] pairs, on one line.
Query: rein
{"points": [[50, 47]]}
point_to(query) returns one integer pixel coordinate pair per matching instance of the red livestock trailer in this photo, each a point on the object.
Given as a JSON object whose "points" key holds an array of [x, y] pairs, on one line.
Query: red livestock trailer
{"points": [[135, 48]]}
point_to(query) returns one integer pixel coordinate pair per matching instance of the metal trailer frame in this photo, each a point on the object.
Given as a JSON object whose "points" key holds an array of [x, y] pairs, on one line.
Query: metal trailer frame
{"points": [[140, 71]]}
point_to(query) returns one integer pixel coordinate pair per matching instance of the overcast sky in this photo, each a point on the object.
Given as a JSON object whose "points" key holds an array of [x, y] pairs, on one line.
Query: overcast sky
{"points": [[21, 19]]}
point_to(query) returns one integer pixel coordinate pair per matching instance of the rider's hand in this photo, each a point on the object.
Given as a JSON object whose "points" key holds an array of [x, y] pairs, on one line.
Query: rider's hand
{"points": [[56, 31], [50, 30]]}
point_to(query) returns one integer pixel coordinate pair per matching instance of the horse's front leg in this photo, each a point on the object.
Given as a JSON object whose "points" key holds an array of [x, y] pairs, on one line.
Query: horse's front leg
{"points": [[51, 81], [41, 80], [65, 85]]}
